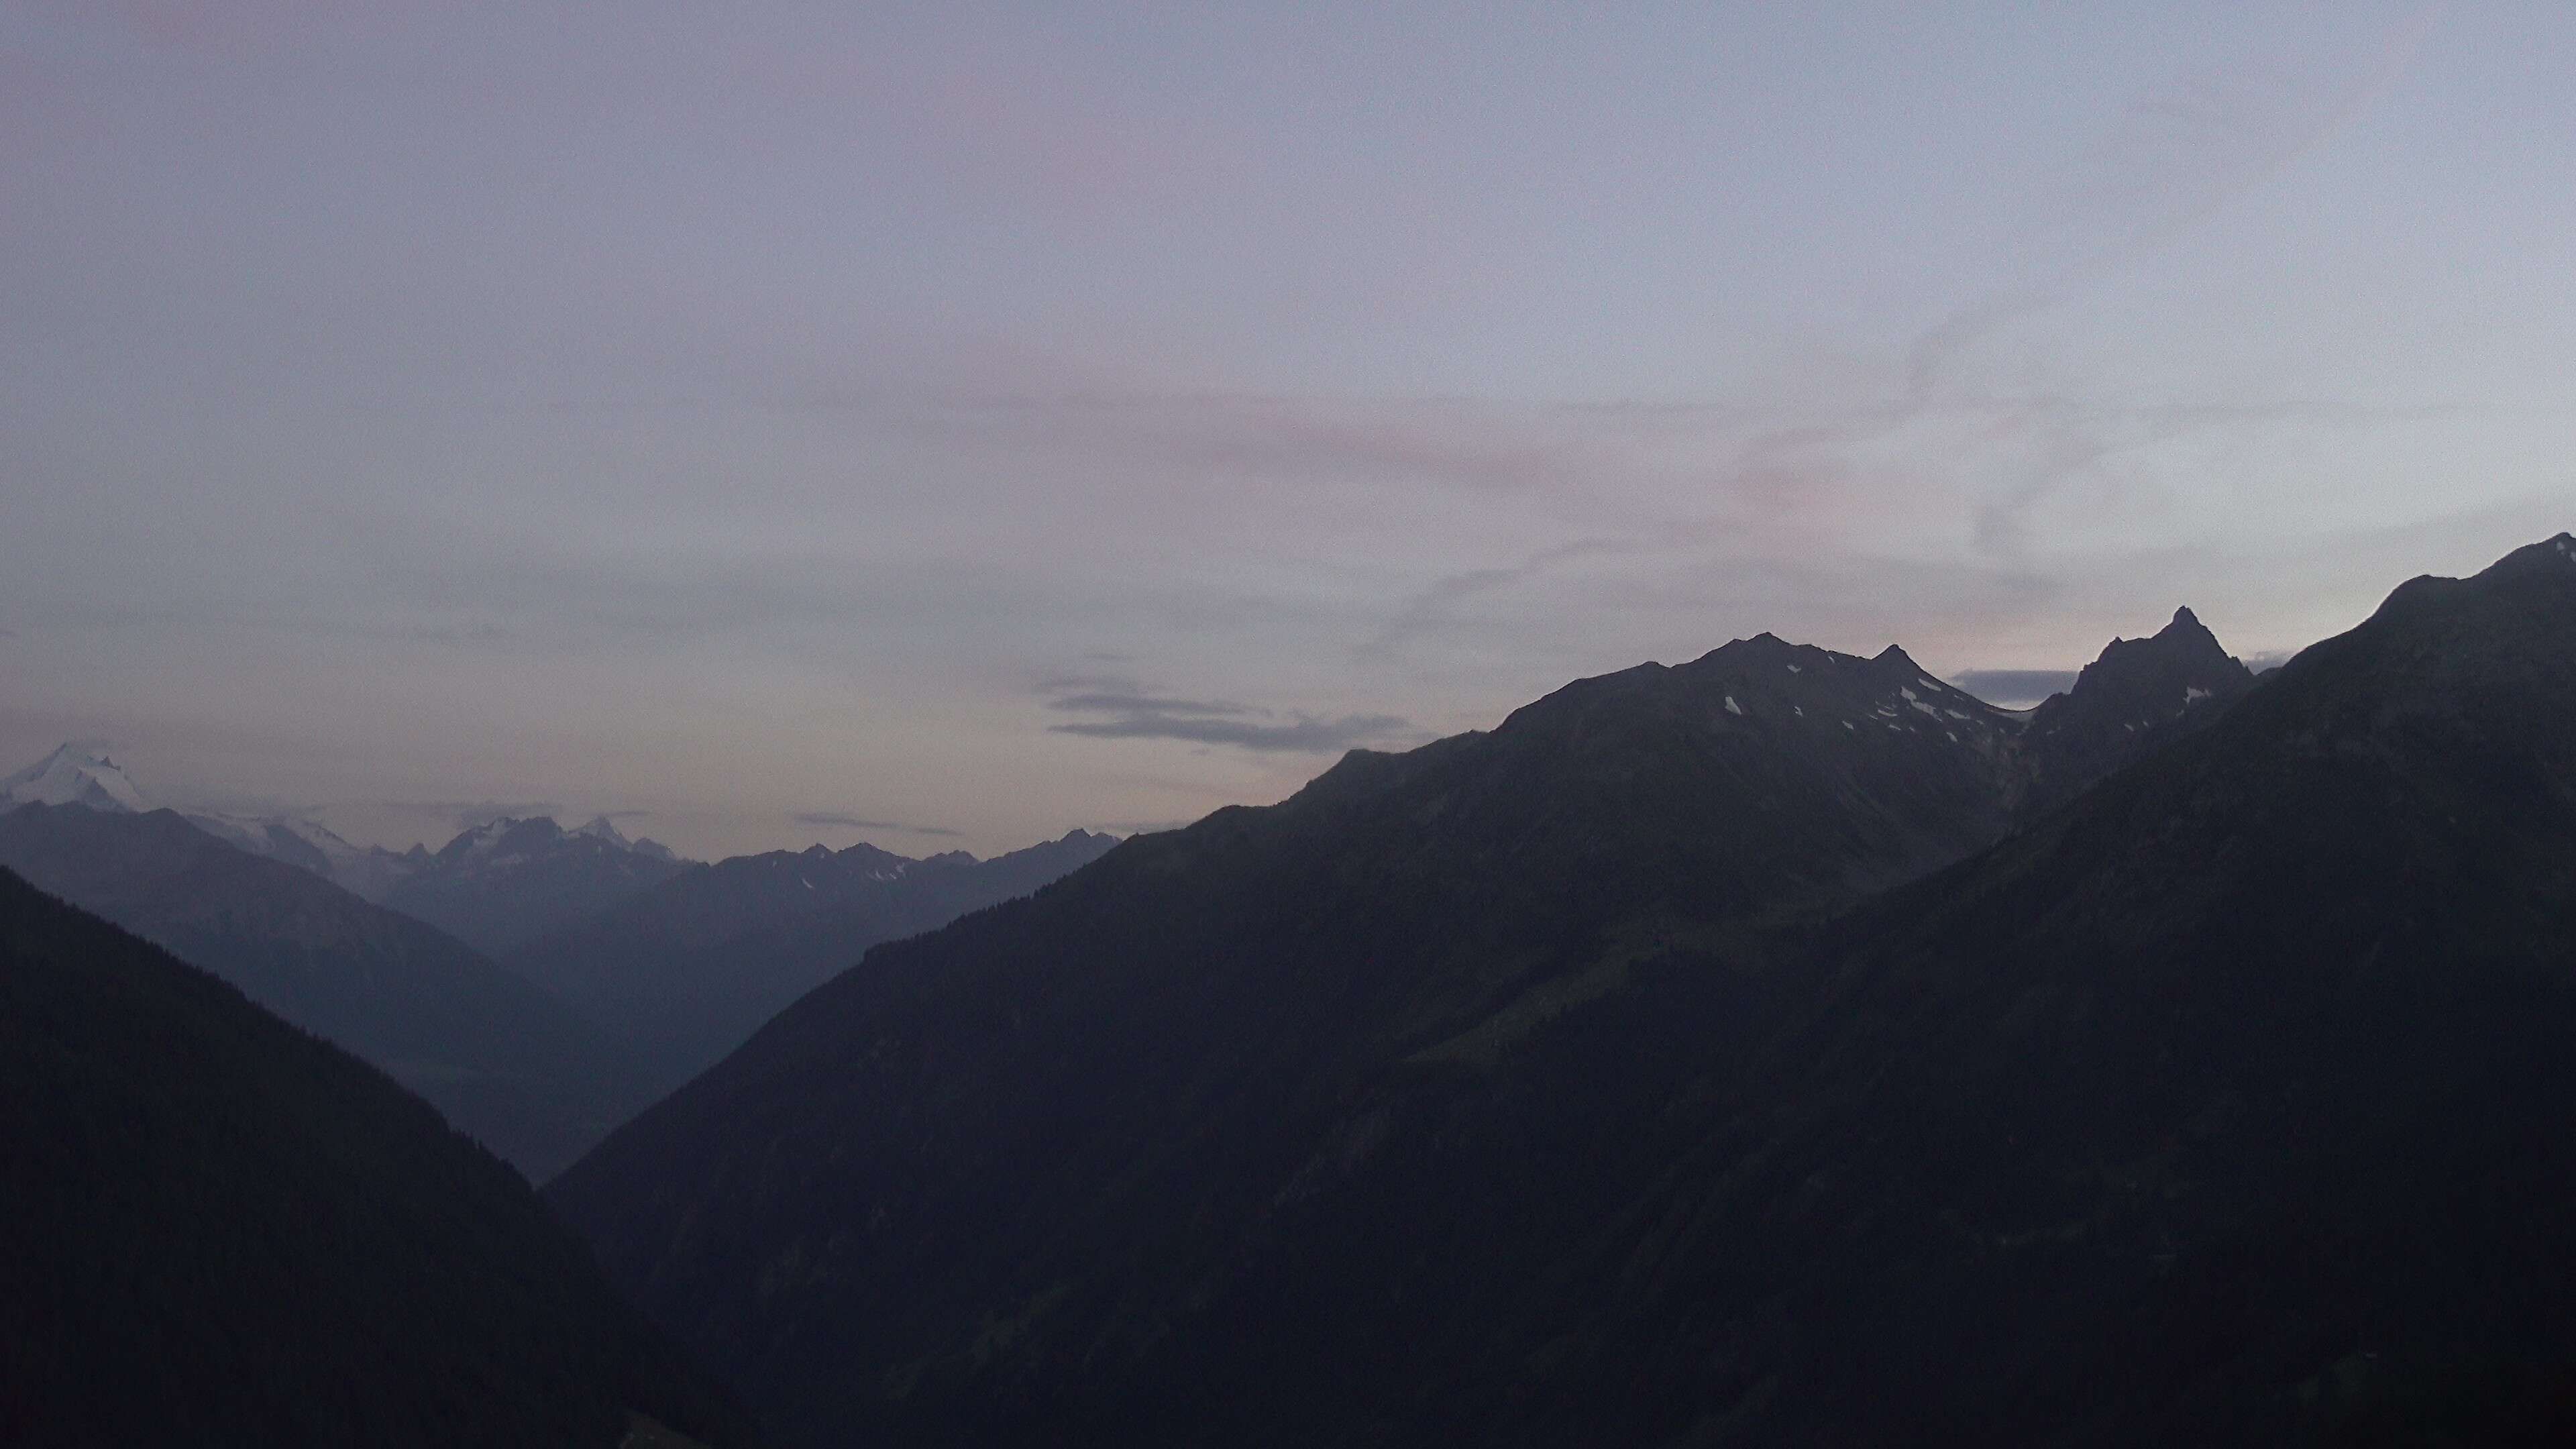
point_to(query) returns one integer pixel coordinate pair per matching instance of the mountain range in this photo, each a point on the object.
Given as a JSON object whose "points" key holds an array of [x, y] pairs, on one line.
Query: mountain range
{"points": [[654, 967], [496, 884], [1781, 1047]]}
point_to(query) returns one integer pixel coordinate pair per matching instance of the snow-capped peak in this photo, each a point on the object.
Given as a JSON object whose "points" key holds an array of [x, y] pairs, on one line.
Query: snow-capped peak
{"points": [[73, 775]]}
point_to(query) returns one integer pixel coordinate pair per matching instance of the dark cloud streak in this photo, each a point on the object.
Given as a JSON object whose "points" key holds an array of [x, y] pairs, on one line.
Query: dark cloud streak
{"points": [[1134, 712], [1130, 702]]}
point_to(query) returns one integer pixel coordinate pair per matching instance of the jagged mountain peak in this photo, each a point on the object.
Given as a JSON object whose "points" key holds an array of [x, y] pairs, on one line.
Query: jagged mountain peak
{"points": [[600, 827], [513, 835], [2136, 692], [2188, 633], [2183, 650]]}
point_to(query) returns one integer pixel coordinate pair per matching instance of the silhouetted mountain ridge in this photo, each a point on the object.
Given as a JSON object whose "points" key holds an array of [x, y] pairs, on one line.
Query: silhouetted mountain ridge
{"points": [[1197, 1014], [1527, 1087], [2139, 694]]}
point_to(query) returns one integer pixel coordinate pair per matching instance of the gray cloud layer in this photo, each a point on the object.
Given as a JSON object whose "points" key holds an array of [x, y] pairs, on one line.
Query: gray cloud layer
{"points": [[1301, 734]]}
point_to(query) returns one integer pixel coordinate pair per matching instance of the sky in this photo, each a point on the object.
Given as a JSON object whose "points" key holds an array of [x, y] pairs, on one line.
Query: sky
{"points": [[950, 425]]}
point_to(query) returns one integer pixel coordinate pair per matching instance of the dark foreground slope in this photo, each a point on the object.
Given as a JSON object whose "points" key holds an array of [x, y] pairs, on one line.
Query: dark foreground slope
{"points": [[1010, 1176], [687, 970], [2228, 1105], [222, 1230], [506, 1061], [2232, 1104]]}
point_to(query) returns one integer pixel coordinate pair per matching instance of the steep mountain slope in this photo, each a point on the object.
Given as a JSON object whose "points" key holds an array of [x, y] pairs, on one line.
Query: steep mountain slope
{"points": [[1059, 1131], [503, 884], [223, 1231], [1478, 1094], [506, 1061], [686, 971]]}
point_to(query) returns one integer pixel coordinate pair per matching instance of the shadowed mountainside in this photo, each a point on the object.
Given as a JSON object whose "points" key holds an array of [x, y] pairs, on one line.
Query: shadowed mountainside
{"points": [[1065, 1112], [224, 1231]]}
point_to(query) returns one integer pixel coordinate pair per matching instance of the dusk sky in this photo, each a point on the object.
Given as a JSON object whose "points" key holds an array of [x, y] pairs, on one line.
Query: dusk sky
{"points": [[948, 425]]}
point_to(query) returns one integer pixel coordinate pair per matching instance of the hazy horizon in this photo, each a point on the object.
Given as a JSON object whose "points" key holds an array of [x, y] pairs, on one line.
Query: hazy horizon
{"points": [[955, 425]]}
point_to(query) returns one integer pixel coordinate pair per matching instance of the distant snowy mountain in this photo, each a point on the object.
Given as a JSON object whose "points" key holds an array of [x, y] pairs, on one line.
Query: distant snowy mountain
{"points": [[367, 871], [508, 881], [72, 775], [483, 884], [76, 775]]}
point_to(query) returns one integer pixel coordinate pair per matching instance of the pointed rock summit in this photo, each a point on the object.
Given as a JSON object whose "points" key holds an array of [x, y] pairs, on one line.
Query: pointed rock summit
{"points": [[2137, 691]]}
